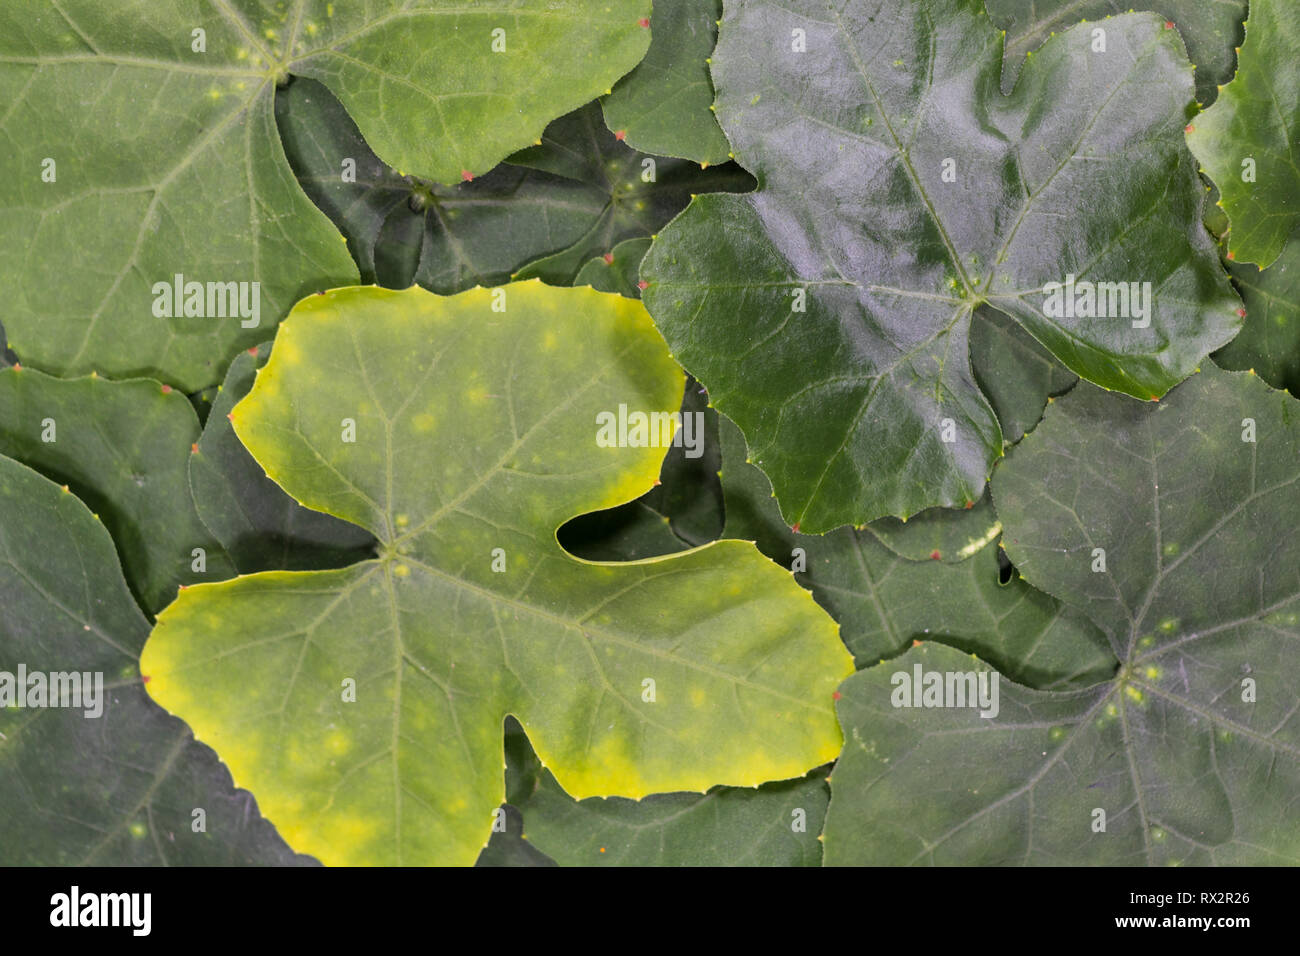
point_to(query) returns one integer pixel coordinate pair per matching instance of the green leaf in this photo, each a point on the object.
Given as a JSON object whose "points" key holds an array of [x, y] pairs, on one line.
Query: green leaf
{"points": [[940, 534], [1019, 377], [431, 95], [1191, 748], [1016, 373], [884, 602], [665, 105], [1269, 342], [167, 159], [1081, 171], [124, 449], [777, 824], [618, 270], [1211, 30], [1246, 142], [642, 193], [475, 429], [260, 526], [406, 230], [121, 787]]}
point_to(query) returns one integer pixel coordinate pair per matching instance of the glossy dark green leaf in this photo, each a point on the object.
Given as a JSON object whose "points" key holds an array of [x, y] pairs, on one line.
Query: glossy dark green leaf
{"points": [[665, 105], [124, 449], [1247, 141], [1169, 526], [901, 190], [260, 526], [1211, 29], [883, 602], [1269, 342], [1016, 373], [122, 787]]}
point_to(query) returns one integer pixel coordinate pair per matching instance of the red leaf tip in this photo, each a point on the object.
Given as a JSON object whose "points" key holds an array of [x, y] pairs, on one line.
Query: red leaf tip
{"points": [[836, 695], [1241, 313], [643, 284], [643, 22], [1169, 24], [466, 175], [934, 555], [620, 134], [609, 258], [167, 389]]}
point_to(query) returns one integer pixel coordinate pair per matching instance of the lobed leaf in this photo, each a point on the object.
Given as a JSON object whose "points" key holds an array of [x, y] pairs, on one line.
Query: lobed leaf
{"points": [[899, 191], [1190, 752], [475, 430]]}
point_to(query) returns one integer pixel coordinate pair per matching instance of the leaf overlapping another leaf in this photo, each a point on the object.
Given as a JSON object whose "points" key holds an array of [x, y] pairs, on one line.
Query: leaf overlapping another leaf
{"points": [[885, 601], [260, 526], [1249, 141], [1192, 749], [168, 160], [1080, 171], [123, 448], [455, 456], [1211, 30], [1269, 342], [573, 195], [121, 787], [665, 105]]}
